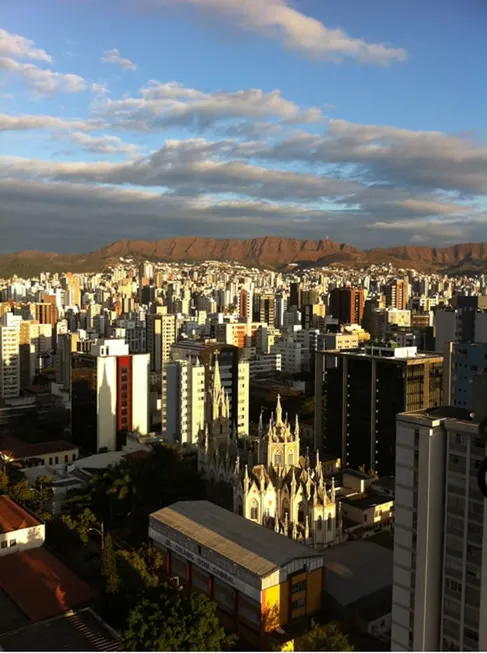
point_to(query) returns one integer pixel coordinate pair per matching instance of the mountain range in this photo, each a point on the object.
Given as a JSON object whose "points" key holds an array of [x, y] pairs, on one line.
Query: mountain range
{"points": [[270, 252]]}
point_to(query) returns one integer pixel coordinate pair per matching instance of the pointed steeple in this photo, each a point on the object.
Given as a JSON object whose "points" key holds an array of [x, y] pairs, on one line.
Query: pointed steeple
{"points": [[217, 381], [260, 429], [286, 524], [306, 528], [278, 410], [276, 522], [237, 466], [333, 488]]}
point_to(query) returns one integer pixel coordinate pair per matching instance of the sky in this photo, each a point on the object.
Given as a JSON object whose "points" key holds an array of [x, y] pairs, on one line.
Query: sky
{"points": [[363, 121]]}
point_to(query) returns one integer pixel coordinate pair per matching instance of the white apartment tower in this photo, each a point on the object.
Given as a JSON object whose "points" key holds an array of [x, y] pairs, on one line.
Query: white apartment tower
{"points": [[440, 539], [183, 401], [9, 357]]}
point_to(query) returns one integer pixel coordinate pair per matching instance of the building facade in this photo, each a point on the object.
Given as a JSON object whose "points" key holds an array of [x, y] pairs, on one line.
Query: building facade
{"points": [[109, 395], [363, 393], [440, 544]]}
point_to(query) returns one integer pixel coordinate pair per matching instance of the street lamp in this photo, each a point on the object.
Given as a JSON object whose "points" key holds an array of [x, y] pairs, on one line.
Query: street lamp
{"points": [[101, 533]]}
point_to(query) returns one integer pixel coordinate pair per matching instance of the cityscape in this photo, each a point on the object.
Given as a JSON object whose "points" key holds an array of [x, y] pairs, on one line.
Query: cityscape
{"points": [[243, 330]]}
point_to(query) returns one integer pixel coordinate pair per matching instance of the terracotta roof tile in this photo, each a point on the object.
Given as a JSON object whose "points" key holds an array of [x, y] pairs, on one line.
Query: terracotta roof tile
{"points": [[41, 585], [13, 517]]}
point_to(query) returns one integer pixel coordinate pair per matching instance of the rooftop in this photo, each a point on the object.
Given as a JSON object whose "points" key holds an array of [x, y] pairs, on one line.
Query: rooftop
{"points": [[13, 517], [257, 549], [366, 500], [357, 569], [79, 631], [41, 585], [26, 450]]}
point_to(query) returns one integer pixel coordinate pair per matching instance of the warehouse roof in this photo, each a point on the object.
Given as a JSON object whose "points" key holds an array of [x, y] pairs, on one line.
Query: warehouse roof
{"points": [[73, 631], [257, 549]]}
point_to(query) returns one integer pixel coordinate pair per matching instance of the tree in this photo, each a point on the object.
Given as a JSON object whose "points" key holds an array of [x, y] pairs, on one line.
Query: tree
{"points": [[3, 483], [20, 492], [164, 620], [109, 569], [324, 637]]}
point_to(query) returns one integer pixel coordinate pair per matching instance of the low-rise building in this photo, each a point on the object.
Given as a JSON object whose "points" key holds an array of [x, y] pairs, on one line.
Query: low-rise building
{"points": [[19, 528], [260, 581]]}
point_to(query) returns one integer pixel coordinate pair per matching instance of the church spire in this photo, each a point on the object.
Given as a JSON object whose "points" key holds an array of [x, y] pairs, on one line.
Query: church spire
{"points": [[278, 410], [217, 381], [296, 428]]}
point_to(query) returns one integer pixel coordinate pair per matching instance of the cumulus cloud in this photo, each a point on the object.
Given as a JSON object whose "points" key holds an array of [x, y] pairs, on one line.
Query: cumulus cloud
{"points": [[43, 81], [18, 47], [104, 144], [114, 57], [27, 122], [81, 217], [164, 105], [424, 159], [276, 19]]}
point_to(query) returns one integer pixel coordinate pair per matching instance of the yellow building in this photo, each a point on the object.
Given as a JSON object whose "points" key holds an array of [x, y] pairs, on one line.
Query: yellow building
{"points": [[260, 580]]}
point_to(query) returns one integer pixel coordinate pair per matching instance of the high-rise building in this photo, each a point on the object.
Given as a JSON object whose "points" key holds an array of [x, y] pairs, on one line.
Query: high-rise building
{"points": [[364, 391], [109, 395], [397, 294], [294, 295], [347, 305], [267, 309], [161, 334], [234, 375], [35, 347], [463, 361], [440, 540], [183, 401], [9, 356]]}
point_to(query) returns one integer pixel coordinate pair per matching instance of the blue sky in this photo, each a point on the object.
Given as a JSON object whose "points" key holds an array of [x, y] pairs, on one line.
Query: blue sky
{"points": [[154, 118]]}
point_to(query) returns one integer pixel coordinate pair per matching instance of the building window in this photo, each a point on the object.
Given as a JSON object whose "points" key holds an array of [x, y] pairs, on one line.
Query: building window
{"points": [[13, 542], [290, 458], [298, 604], [329, 522], [277, 458], [4, 544], [65, 459], [319, 523], [298, 587], [254, 510]]}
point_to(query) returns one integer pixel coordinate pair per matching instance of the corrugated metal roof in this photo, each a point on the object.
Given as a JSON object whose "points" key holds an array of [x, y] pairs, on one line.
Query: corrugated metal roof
{"points": [[81, 631], [257, 549]]}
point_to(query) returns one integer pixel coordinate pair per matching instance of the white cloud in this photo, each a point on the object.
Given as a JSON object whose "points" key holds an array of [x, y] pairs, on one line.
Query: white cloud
{"points": [[162, 105], [382, 153], [42, 81], [113, 56], [104, 144], [18, 47], [100, 89], [26, 122], [276, 19]]}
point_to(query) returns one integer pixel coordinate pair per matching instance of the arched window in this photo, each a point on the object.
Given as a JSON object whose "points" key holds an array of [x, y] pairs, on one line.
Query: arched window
{"points": [[240, 507], [329, 522], [290, 458], [301, 513], [277, 458], [319, 524], [254, 510], [285, 508]]}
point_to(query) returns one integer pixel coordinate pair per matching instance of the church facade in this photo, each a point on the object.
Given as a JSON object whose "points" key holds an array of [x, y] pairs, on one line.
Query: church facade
{"points": [[272, 483]]}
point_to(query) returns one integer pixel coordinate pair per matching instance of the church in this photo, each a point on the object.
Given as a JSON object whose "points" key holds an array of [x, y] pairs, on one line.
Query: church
{"points": [[272, 484]]}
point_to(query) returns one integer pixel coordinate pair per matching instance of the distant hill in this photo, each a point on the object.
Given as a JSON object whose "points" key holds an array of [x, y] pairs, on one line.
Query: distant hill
{"points": [[270, 252]]}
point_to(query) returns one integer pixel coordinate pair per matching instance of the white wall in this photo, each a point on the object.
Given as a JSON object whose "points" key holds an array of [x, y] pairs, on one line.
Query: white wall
{"points": [[107, 403], [140, 393], [25, 538]]}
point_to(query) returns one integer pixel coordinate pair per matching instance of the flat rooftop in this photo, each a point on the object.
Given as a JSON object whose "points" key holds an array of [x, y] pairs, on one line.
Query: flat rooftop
{"points": [[257, 549], [357, 569], [40, 585]]}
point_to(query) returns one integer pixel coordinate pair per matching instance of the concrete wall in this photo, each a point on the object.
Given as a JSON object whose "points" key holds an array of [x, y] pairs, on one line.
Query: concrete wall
{"points": [[25, 538]]}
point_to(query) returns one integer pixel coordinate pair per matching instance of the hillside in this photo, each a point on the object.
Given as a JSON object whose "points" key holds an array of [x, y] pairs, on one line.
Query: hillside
{"points": [[271, 251]]}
